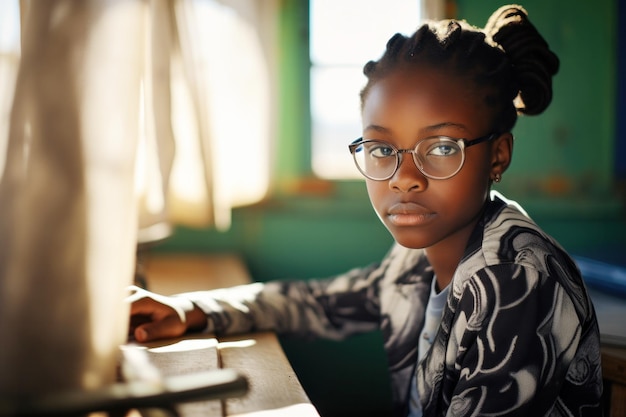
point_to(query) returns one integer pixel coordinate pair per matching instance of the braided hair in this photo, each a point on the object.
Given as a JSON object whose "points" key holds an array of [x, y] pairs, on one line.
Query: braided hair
{"points": [[508, 58]]}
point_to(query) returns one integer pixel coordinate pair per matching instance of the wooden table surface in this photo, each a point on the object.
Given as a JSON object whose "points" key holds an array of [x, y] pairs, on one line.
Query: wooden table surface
{"points": [[611, 310], [274, 389]]}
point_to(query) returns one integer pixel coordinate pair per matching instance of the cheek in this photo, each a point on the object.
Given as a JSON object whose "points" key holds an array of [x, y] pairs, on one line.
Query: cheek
{"points": [[376, 190], [471, 184]]}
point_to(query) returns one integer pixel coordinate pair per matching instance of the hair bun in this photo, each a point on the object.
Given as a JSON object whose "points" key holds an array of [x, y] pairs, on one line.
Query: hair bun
{"points": [[532, 60]]}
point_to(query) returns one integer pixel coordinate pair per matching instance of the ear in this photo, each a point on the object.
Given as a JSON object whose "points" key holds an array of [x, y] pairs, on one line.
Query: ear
{"points": [[501, 153]]}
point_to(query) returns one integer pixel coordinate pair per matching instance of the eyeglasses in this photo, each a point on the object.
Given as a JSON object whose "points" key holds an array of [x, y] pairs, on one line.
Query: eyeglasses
{"points": [[437, 157]]}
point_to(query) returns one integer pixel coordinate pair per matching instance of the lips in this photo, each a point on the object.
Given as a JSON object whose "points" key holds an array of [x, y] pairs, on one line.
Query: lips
{"points": [[409, 214]]}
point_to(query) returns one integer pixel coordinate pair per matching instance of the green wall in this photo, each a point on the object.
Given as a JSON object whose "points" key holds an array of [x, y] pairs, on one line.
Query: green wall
{"points": [[562, 173], [568, 150], [563, 169]]}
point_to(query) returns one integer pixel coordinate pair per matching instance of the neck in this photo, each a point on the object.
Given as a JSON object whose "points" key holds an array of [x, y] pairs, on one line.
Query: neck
{"points": [[443, 265], [445, 256]]}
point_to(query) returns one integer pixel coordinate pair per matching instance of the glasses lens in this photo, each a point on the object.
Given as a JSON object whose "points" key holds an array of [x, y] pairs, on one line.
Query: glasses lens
{"points": [[439, 157], [376, 159]]}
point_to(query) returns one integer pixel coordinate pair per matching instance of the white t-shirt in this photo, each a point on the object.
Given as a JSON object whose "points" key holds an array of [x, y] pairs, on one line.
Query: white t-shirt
{"points": [[434, 310]]}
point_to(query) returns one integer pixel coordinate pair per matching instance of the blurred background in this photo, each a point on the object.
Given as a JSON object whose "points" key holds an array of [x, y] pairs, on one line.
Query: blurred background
{"points": [[278, 186]]}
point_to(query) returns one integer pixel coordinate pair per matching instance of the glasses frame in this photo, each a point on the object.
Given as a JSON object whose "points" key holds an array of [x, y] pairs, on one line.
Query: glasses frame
{"points": [[463, 144]]}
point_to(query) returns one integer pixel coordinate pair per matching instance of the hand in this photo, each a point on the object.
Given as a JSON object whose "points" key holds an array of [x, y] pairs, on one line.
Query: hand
{"points": [[154, 316]]}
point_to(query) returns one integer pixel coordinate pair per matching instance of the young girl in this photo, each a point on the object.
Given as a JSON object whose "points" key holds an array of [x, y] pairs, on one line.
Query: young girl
{"points": [[482, 313]]}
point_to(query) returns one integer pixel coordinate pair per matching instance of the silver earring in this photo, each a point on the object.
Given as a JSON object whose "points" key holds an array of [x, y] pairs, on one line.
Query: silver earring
{"points": [[497, 178]]}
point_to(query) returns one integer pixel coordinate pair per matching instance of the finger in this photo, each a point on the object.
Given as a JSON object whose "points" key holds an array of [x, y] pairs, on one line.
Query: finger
{"points": [[168, 327], [145, 306], [150, 310], [149, 303], [136, 321]]}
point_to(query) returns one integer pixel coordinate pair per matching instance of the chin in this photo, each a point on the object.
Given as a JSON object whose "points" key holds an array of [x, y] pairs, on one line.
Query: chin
{"points": [[409, 239], [410, 245]]}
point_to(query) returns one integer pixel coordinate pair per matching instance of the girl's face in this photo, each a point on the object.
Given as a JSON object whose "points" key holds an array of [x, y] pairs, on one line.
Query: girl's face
{"points": [[403, 108]]}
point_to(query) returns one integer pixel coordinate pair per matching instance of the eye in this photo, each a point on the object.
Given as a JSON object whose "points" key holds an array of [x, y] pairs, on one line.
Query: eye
{"points": [[443, 148], [380, 150]]}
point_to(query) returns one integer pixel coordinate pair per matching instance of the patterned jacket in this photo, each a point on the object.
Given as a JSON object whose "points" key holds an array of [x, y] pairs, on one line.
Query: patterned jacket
{"points": [[518, 335]]}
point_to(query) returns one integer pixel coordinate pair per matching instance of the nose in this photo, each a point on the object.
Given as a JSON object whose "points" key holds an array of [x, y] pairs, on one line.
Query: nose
{"points": [[408, 177]]}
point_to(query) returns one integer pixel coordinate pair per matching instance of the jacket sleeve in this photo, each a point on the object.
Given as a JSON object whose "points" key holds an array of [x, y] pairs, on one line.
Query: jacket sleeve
{"points": [[332, 308], [515, 339]]}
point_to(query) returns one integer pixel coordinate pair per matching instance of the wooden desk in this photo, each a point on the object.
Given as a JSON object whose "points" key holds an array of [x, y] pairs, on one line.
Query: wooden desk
{"points": [[614, 374], [274, 389]]}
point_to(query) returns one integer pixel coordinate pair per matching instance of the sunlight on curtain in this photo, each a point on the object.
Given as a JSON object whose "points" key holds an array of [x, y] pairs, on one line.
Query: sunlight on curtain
{"points": [[116, 116], [207, 109], [221, 111], [9, 60]]}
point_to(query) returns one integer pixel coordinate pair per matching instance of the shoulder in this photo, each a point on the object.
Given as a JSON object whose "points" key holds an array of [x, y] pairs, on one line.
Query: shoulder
{"points": [[506, 235], [512, 255]]}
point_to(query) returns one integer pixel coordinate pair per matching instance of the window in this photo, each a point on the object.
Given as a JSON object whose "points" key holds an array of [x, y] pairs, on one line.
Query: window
{"points": [[9, 60], [345, 34]]}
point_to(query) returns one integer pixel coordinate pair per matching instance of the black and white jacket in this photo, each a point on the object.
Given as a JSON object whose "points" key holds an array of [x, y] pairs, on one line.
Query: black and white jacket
{"points": [[518, 335]]}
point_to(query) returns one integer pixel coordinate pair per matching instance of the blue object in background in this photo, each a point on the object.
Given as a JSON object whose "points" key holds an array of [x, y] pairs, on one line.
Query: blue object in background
{"points": [[604, 276]]}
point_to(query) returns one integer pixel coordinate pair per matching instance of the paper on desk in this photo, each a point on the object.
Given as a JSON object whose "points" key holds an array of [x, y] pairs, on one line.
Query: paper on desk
{"points": [[176, 357]]}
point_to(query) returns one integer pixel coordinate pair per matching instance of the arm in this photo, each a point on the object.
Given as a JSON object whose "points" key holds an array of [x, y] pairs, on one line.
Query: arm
{"points": [[332, 308]]}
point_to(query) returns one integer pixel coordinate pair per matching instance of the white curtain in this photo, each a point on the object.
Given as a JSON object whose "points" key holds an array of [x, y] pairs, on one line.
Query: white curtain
{"points": [[118, 118], [216, 110]]}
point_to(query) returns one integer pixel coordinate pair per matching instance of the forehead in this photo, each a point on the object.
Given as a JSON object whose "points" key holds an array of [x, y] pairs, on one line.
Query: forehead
{"points": [[426, 96]]}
